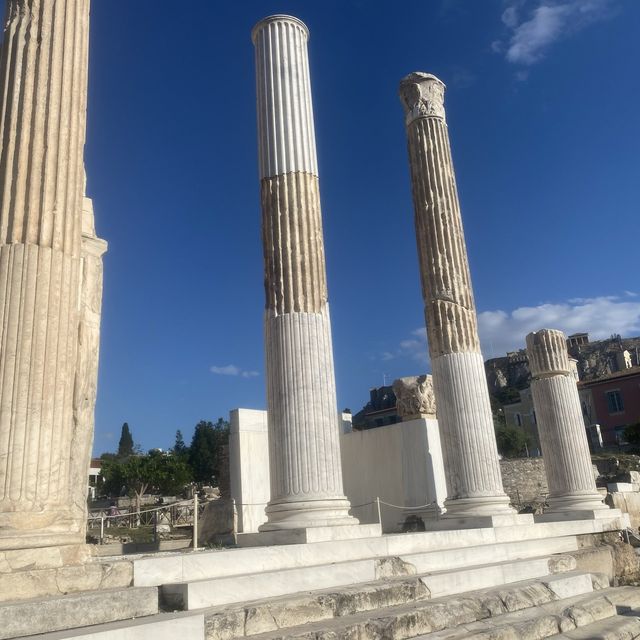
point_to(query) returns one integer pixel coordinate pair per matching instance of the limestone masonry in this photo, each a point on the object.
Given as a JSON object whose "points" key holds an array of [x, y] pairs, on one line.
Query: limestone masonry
{"points": [[464, 413]]}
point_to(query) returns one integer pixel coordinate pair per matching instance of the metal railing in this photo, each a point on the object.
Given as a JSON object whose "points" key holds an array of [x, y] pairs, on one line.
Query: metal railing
{"points": [[184, 513]]}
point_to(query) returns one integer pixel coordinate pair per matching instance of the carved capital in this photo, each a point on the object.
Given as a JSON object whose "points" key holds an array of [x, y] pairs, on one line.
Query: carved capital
{"points": [[547, 352], [414, 397], [422, 96]]}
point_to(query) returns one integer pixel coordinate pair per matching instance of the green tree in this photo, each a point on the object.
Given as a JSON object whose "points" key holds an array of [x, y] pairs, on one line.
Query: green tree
{"points": [[136, 475], [512, 442], [125, 446], [179, 447], [204, 452]]}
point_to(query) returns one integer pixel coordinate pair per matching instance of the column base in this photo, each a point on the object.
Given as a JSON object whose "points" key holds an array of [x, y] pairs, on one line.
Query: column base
{"points": [[304, 514], [480, 507], [309, 535], [576, 502]]}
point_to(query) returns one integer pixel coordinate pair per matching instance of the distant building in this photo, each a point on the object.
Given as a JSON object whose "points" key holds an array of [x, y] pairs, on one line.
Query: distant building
{"points": [[379, 411], [613, 402], [93, 479]]}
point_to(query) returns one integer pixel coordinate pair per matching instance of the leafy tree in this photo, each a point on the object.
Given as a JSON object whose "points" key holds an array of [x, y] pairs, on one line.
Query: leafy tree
{"points": [[204, 452], [125, 446], [179, 447], [137, 475], [512, 442]]}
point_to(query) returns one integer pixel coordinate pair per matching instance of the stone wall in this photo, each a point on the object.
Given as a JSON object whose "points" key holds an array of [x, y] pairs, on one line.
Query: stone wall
{"points": [[524, 479]]}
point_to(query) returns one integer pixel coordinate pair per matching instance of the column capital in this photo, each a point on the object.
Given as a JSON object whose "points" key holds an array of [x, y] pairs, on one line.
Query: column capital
{"points": [[422, 96], [279, 17], [547, 352]]}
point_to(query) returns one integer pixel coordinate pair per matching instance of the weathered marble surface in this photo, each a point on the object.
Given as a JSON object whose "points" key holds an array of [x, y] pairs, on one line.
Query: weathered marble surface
{"points": [[474, 484], [43, 421], [414, 397], [304, 448], [560, 425]]}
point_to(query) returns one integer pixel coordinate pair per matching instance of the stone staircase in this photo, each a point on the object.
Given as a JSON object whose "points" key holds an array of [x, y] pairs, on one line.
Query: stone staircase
{"points": [[439, 588]]}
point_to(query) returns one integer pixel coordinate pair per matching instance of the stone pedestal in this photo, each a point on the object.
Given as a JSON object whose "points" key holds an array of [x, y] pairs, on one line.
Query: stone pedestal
{"points": [[44, 407], [565, 449], [304, 454], [474, 484]]}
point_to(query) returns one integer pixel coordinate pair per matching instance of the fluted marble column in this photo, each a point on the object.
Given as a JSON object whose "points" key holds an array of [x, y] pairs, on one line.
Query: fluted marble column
{"points": [[43, 95], [474, 482], [304, 454], [565, 449]]}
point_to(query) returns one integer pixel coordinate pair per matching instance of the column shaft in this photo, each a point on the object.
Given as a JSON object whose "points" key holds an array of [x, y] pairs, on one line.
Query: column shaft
{"points": [[561, 429], [43, 93], [474, 482], [304, 453]]}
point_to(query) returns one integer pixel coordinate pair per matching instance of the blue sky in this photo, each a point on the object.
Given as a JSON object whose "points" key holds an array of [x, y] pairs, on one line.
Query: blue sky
{"points": [[542, 105]]}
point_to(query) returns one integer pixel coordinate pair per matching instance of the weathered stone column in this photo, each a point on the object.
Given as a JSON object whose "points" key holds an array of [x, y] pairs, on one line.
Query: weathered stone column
{"points": [[561, 428], [474, 483], [304, 454], [86, 382], [43, 89]]}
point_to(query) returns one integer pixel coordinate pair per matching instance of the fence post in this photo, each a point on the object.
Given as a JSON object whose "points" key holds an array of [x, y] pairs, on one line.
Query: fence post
{"points": [[195, 520], [379, 511], [101, 529]]}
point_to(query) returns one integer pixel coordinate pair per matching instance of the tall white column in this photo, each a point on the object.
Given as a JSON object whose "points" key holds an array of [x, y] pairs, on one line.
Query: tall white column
{"points": [[304, 454], [43, 95], [474, 482], [565, 449]]}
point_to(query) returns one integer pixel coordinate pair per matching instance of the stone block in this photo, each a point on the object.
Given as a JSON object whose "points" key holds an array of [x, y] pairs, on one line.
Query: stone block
{"points": [[78, 610], [162, 627], [619, 487], [309, 535]]}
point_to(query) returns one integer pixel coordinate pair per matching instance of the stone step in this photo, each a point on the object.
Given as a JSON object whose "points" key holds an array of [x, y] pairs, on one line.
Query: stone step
{"points": [[219, 591], [486, 554], [43, 615], [24, 583], [273, 614], [542, 621], [187, 567], [614, 628], [159, 627], [446, 615]]}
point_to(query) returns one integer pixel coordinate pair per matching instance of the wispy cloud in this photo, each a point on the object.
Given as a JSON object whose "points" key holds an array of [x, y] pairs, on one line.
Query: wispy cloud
{"points": [[233, 370], [502, 331], [531, 32]]}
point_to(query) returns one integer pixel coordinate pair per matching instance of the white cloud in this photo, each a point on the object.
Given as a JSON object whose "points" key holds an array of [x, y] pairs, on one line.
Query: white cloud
{"points": [[502, 331], [233, 370], [551, 20]]}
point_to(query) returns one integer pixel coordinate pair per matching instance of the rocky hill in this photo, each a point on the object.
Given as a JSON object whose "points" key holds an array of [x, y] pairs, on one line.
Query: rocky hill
{"points": [[507, 375]]}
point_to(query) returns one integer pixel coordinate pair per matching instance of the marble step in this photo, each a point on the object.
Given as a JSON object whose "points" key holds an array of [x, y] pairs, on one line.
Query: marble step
{"points": [[448, 616], [42, 615], [200, 565], [219, 591], [486, 554], [614, 628], [272, 614], [159, 627]]}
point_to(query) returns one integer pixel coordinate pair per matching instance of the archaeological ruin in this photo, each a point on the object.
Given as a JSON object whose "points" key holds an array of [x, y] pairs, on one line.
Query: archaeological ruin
{"points": [[315, 557]]}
